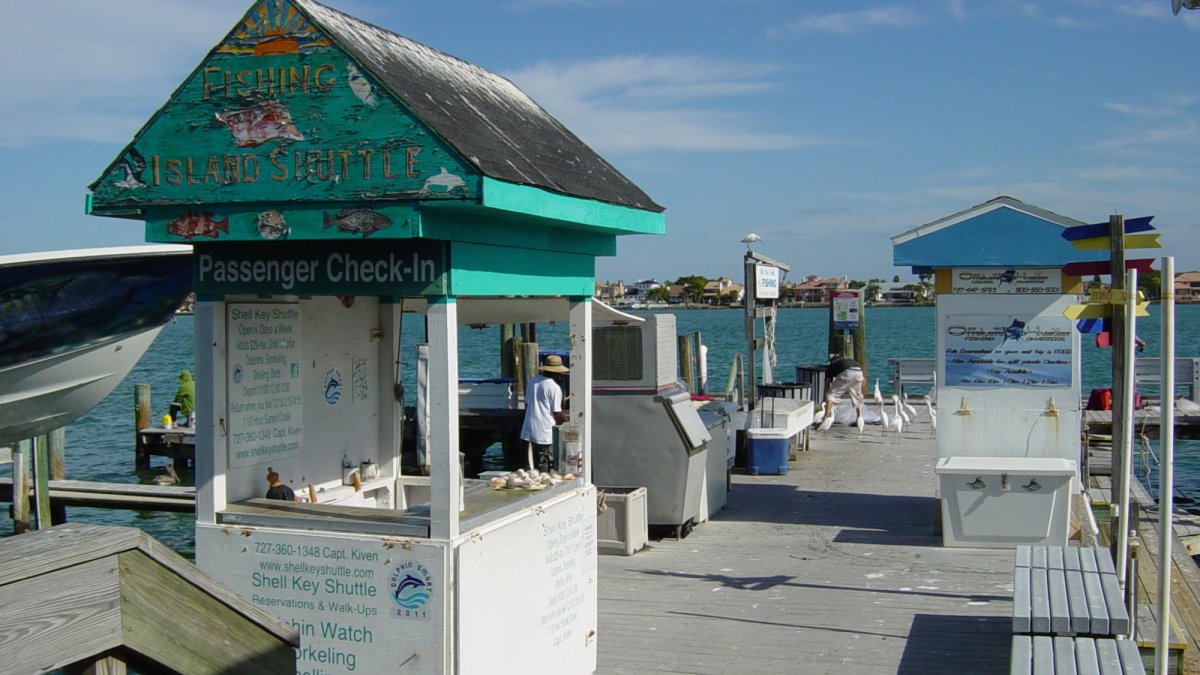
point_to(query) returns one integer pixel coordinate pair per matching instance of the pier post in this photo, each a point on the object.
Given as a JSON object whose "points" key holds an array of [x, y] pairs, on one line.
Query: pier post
{"points": [[529, 364], [41, 481], [686, 361], [20, 489], [860, 347], [58, 470], [141, 420], [507, 363], [1116, 244]]}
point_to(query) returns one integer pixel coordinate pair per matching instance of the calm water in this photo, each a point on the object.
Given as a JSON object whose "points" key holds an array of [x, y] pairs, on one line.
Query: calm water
{"points": [[100, 445]]}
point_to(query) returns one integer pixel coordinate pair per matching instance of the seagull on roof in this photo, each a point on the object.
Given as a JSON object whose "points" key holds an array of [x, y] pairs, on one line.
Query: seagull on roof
{"points": [[751, 239]]}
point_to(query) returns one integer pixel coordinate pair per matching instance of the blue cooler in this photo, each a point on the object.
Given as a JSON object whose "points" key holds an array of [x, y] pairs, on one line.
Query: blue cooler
{"points": [[767, 451]]}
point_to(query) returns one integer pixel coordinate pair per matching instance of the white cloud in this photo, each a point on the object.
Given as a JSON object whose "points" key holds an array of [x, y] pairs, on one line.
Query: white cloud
{"points": [[1141, 111], [1145, 9], [1034, 11], [643, 103], [846, 23], [94, 70]]}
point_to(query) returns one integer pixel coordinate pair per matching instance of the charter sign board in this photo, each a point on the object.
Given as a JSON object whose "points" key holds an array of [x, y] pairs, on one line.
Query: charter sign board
{"points": [[766, 286], [264, 385], [1008, 350], [1033, 281]]}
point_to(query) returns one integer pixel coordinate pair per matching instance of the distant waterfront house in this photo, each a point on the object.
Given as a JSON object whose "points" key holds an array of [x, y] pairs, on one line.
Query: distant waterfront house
{"points": [[818, 289], [675, 294], [899, 294], [610, 293], [717, 289], [1187, 287]]}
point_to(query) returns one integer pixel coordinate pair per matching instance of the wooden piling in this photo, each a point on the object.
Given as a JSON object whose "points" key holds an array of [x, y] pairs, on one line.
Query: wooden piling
{"points": [[686, 369], [701, 373], [141, 420], [507, 364], [41, 482], [58, 470], [529, 363], [20, 495]]}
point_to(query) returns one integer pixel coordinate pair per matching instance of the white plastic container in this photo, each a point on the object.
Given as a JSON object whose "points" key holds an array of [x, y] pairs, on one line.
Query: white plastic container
{"points": [[1003, 502]]}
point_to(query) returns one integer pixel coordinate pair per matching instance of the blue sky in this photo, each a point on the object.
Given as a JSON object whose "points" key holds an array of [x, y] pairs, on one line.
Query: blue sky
{"points": [[826, 127]]}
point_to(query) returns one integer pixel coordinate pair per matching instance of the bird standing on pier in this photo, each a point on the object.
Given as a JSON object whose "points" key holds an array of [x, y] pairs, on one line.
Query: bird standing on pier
{"points": [[932, 417], [898, 425], [826, 424]]}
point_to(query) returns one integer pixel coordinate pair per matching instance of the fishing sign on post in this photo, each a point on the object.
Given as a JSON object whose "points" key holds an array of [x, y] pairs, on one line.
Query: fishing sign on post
{"points": [[847, 309]]}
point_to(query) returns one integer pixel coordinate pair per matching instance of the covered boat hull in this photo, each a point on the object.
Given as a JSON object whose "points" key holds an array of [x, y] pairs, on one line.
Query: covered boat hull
{"points": [[39, 396], [74, 323]]}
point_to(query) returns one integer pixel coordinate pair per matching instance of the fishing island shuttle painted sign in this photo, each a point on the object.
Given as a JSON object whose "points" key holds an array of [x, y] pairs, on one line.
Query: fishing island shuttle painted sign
{"points": [[279, 114]]}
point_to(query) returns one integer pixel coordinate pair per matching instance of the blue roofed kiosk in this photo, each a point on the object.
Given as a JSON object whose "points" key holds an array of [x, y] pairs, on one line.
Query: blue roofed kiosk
{"points": [[1008, 369], [331, 177]]}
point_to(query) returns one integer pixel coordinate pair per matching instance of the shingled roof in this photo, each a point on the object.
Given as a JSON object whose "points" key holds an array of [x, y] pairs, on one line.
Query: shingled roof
{"points": [[486, 118]]}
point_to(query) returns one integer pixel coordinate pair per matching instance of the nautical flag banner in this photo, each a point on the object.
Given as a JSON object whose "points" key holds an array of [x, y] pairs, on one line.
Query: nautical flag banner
{"points": [[1132, 225], [1104, 267], [1143, 240], [1099, 311]]}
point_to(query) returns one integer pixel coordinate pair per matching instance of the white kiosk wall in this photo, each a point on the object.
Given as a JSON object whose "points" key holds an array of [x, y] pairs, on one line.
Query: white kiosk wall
{"points": [[1008, 376], [303, 378]]}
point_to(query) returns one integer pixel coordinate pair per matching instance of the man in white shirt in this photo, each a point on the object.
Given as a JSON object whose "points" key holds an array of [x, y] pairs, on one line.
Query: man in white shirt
{"points": [[543, 411]]}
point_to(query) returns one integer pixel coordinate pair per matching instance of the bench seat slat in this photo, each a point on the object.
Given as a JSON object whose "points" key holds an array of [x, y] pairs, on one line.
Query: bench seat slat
{"points": [[1110, 661], [1064, 655], [1131, 658], [1118, 617], [1086, 659], [1039, 601], [1022, 615], [1060, 610], [1022, 655], [1043, 655], [1081, 618], [1097, 607]]}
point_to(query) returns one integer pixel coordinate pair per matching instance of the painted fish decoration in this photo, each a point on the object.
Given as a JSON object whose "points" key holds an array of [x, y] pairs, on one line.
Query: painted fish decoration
{"points": [[444, 181], [272, 225], [202, 224], [358, 221], [253, 126]]}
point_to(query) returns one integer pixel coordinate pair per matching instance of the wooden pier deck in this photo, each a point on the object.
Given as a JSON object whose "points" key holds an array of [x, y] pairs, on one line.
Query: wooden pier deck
{"points": [[832, 568]]}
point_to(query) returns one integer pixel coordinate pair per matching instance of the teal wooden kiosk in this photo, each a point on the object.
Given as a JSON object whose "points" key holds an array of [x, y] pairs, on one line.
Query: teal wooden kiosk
{"points": [[1008, 370], [332, 176]]}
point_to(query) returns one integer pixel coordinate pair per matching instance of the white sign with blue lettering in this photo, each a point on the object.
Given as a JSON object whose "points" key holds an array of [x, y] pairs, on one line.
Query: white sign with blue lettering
{"points": [[766, 286]]}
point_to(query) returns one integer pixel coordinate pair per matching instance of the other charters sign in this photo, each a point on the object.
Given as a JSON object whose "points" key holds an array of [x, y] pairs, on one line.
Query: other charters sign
{"points": [[1008, 350]]}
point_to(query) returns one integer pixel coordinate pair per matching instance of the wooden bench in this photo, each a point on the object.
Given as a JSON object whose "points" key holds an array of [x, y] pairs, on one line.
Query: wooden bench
{"points": [[1060, 654], [1067, 591]]}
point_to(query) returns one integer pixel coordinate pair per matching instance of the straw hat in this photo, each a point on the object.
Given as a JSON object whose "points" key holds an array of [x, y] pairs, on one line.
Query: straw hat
{"points": [[554, 364]]}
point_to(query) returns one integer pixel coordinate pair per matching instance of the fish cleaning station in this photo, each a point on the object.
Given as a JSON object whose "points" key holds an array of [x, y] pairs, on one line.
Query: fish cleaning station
{"points": [[336, 179], [1007, 371]]}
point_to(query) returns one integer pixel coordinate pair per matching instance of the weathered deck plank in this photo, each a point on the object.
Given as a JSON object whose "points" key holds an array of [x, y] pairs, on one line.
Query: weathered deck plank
{"points": [[834, 567]]}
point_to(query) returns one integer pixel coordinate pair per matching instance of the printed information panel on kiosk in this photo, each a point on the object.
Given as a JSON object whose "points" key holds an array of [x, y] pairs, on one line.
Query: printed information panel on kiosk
{"points": [[265, 391]]}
